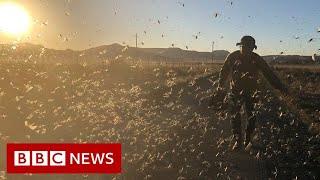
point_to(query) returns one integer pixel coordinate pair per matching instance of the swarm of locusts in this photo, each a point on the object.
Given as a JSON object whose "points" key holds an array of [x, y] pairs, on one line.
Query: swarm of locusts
{"points": [[154, 112]]}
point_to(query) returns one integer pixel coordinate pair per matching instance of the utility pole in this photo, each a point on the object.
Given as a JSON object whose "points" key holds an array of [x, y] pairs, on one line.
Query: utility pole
{"points": [[212, 53], [136, 40]]}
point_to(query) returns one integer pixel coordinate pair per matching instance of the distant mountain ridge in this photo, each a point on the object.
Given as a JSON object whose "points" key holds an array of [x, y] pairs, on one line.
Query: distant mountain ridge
{"points": [[27, 51], [31, 51], [156, 54]]}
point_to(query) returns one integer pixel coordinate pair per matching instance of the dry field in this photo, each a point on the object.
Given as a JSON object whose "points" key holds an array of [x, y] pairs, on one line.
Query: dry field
{"points": [[154, 111]]}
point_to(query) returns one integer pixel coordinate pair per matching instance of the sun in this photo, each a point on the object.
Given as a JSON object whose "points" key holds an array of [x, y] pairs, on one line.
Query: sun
{"points": [[14, 19]]}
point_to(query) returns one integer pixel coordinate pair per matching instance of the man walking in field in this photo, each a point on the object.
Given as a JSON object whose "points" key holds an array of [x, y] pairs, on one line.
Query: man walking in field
{"points": [[244, 66]]}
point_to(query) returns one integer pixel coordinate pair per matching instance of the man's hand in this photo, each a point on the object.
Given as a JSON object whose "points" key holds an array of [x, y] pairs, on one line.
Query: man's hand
{"points": [[218, 97]]}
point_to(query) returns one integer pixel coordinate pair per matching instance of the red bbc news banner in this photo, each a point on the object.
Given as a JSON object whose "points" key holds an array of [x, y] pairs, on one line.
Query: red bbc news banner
{"points": [[64, 158]]}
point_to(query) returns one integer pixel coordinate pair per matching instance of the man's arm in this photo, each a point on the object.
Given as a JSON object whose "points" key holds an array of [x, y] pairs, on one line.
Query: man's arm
{"points": [[225, 71], [271, 76], [220, 92]]}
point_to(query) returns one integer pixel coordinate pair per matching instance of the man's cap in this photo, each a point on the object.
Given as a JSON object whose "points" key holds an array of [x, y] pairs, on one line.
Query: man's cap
{"points": [[247, 41]]}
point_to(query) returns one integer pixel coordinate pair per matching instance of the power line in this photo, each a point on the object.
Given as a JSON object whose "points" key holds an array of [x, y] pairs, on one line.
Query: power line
{"points": [[136, 40], [212, 53]]}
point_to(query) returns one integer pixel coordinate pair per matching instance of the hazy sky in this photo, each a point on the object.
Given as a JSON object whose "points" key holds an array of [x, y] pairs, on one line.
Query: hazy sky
{"points": [[89, 23]]}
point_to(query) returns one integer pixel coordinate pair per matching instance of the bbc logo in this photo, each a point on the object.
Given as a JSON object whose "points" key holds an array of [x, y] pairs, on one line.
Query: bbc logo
{"points": [[39, 158], [63, 158]]}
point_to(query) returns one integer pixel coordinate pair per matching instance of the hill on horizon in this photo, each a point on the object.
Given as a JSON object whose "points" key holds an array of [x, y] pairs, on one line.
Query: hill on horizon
{"points": [[31, 51], [27, 51]]}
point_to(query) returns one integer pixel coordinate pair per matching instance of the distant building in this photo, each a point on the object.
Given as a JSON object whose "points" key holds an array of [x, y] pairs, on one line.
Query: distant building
{"points": [[288, 59]]}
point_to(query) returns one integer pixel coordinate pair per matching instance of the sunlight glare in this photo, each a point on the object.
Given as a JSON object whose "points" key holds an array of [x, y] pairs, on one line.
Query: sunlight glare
{"points": [[14, 20]]}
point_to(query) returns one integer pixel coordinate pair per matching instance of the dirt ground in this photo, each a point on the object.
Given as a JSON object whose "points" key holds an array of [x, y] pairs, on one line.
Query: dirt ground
{"points": [[154, 112]]}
